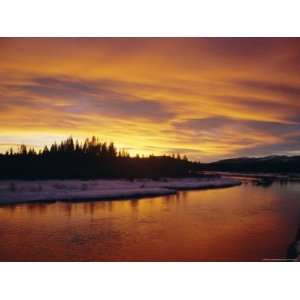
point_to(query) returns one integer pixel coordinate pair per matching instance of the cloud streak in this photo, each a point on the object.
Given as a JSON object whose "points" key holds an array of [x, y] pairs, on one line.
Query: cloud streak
{"points": [[208, 98]]}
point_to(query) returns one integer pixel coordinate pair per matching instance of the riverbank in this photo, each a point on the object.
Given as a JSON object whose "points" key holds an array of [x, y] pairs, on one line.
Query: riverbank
{"points": [[293, 252], [13, 191], [257, 175]]}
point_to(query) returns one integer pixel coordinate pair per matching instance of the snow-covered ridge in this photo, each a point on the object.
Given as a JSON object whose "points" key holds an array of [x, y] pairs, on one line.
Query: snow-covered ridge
{"points": [[52, 190]]}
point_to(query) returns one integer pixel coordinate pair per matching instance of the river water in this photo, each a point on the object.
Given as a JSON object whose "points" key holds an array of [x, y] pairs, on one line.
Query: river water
{"points": [[243, 223]]}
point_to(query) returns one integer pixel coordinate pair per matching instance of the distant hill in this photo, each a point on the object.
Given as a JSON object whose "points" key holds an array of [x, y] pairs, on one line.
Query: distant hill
{"points": [[270, 164]]}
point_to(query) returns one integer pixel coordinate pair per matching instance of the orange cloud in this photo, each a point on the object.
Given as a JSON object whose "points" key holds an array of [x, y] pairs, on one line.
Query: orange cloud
{"points": [[146, 93]]}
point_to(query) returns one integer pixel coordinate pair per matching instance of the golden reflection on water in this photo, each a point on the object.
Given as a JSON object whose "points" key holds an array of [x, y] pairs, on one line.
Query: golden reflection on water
{"points": [[242, 223]]}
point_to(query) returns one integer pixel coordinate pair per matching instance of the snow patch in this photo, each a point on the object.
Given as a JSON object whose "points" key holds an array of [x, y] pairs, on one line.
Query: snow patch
{"points": [[55, 190]]}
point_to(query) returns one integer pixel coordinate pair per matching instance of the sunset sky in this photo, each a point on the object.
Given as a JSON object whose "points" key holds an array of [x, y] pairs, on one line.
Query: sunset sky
{"points": [[208, 98]]}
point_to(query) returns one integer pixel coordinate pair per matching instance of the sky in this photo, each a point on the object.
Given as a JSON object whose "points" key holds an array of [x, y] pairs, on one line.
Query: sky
{"points": [[207, 98]]}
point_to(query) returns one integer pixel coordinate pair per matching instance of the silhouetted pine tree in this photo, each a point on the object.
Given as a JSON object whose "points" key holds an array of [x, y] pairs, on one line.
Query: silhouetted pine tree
{"points": [[90, 159]]}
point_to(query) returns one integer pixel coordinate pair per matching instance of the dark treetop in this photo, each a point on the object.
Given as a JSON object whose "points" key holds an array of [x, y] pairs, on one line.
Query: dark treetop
{"points": [[91, 159]]}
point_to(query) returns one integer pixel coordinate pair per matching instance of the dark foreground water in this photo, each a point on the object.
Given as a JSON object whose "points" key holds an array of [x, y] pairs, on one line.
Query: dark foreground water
{"points": [[244, 223]]}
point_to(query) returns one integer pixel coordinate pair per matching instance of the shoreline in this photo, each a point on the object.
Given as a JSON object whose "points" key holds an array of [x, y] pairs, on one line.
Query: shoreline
{"points": [[293, 250], [255, 175], [49, 191]]}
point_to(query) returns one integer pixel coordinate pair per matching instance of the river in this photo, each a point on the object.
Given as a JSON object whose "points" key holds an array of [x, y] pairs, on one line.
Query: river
{"points": [[242, 223]]}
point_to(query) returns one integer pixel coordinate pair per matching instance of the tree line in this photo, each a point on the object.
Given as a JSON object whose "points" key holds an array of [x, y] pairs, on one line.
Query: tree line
{"points": [[90, 159]]}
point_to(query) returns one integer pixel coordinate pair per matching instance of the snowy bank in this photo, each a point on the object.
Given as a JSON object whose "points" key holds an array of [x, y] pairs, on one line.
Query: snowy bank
{"points": [[72, 190]]}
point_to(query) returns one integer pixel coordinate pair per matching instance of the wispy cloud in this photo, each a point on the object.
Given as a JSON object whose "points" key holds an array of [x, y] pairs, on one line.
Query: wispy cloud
{"points": [[208, 98]]}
